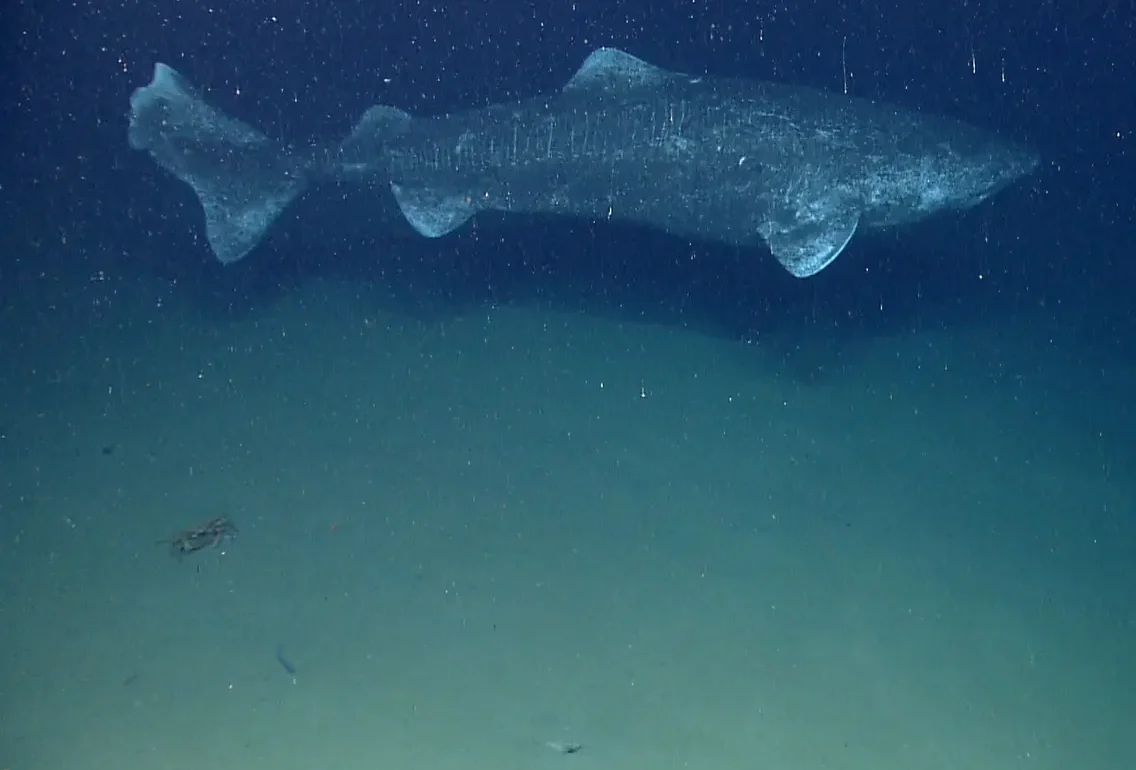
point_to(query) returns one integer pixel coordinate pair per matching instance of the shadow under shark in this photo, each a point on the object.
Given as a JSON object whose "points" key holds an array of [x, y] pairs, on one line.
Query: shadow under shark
{"points": [[711, 159]]}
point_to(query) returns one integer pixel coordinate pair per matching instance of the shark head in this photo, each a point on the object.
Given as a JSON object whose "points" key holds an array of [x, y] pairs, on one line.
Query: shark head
{"points": [[922, 166], [975, 165], [948, 170]]}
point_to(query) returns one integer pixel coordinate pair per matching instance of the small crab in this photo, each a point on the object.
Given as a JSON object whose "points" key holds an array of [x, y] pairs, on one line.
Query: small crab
{"points": [[205, 535]]}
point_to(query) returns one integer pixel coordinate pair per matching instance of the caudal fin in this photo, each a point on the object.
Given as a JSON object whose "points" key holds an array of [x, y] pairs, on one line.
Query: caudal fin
{"points": [[243, 179]]}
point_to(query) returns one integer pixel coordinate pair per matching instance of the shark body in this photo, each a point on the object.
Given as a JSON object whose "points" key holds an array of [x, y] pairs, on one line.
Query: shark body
{"points": [[713, 159]]}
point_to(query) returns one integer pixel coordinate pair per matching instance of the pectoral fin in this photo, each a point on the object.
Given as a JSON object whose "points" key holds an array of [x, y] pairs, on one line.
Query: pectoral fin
{"points": [[806, 248]]}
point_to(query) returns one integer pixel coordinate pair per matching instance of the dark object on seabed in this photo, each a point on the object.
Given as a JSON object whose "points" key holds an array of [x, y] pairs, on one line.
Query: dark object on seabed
{"points": [[209, 534], [564, 747], [284, 662]]}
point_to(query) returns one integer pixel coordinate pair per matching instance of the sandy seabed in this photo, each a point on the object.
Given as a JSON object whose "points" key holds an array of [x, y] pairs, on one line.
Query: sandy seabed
{"points": [[478, 536]]}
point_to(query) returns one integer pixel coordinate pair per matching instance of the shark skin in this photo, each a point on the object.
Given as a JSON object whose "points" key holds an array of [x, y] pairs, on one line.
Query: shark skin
{"points": [[723, 160], [713, 159]]}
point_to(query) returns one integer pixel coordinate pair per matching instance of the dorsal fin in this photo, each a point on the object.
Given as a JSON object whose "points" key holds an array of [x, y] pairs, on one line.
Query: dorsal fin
{"points": [[610, 68]]}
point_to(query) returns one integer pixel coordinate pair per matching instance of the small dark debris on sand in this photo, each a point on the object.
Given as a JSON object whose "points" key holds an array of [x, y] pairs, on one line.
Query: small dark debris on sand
{"points": [[564, 747]]}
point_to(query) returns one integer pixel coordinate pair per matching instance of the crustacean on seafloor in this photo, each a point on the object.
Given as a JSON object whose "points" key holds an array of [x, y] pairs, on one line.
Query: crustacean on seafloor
{"points": [[208, 534]]}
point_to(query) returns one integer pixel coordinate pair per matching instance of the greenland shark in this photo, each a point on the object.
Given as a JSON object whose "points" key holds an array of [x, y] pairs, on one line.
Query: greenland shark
{"points": [[711, 159]]}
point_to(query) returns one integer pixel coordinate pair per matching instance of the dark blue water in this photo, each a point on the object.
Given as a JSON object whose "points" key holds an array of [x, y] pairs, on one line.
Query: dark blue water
{"points": [[1057, 77]]}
